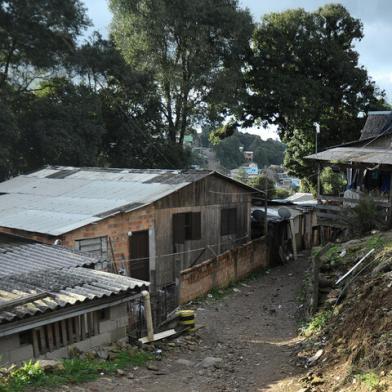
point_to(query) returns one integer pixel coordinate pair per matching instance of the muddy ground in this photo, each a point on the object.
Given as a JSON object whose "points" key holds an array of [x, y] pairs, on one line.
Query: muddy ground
{"points": [[246, 345]]}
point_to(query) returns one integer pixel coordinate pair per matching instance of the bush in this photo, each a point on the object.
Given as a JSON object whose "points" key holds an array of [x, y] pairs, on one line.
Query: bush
{"points": [[332, 182], [281, 193], [364, 217], [259, 183]]}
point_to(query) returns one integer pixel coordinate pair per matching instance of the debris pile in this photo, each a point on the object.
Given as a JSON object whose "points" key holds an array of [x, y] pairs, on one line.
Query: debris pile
{"points": [[349, 340]]}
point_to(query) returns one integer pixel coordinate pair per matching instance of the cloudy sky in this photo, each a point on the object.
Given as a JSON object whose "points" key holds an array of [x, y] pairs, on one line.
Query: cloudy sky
{"points": [[376, 16]]}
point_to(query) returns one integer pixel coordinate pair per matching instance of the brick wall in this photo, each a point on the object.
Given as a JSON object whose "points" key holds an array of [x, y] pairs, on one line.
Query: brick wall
{"points": [[115, 227], [219, 272]]}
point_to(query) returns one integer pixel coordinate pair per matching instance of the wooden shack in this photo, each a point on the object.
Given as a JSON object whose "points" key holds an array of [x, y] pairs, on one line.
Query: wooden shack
{"points": [[147, 224]]}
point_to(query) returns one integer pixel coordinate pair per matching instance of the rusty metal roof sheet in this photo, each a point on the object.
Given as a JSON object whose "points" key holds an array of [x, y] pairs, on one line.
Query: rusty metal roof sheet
{"points": [[18, 255], [56, 200], [64, 287], [349, 155]]}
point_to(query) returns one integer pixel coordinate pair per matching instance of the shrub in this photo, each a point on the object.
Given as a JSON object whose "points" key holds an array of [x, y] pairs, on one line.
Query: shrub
{"points": [[332, 182], [364, 217]]}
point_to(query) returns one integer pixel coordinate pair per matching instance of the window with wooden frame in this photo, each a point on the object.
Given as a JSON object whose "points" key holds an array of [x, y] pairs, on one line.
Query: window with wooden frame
{"points": [[186, 227], [97, 246], [53, 336], [228, 221]]}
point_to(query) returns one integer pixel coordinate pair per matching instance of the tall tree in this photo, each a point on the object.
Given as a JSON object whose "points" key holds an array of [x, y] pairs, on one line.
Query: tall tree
{"points": [[130, 108], [62, 124], [304, 69], [195, 49], [35, 36]]}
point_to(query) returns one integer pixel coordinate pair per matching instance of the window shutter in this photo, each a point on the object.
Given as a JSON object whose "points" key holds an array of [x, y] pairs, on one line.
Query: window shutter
{"points": [[178, 228], [233, 221], [196, 226]]}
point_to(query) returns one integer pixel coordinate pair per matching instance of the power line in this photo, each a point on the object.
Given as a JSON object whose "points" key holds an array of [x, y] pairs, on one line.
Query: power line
{"points": [[189, 251]]}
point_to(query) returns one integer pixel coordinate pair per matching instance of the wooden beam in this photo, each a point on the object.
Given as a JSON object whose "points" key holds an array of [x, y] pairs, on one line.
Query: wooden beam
{"points": [[49, 333], [83, 326], [64, 332], [57, 340], [42, 340], [35, 343]]}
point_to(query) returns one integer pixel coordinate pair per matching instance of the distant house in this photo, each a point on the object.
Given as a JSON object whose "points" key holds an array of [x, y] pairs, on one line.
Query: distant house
{"points": [[367, 166], [248, 156], [149, 224], [51, 299]]}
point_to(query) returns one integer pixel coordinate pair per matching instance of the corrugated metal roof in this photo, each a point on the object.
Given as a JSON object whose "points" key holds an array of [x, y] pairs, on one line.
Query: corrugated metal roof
{"points": [[65, 287], [57, 200], [18, 255], [365, 155], [377, 123]]}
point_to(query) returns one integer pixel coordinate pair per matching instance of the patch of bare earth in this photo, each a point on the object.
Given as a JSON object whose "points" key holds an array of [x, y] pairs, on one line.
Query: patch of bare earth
{"points": [[246, 344]]}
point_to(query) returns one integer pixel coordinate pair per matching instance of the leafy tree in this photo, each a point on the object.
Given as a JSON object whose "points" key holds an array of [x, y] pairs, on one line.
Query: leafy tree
{"points": [[258, 182], [332, 182], [130, 109], [61, 125], [9, 136], [195, 50], [304, 69], [241, 175], [35, 36], [228, 152]]}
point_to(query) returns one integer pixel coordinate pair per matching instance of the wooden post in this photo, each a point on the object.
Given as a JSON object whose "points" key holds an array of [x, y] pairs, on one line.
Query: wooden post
{"points": [[148, 315], [318, 183], [57, 334], [83, 326], [35, 343], [389, 217], [315, 284], [64, 332], [293, 239], [49, 332]]}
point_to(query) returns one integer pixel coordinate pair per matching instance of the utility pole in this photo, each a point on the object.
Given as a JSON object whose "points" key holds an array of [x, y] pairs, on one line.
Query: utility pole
{"points": [[265, 204], [317, 126]]}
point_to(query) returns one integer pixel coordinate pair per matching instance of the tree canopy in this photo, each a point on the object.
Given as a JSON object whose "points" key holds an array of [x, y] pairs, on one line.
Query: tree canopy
{"points": [[266, 152], [195, 51], [305, 69]]}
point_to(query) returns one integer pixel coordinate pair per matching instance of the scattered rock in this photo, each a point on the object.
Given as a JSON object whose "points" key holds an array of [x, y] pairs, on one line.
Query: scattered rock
{"points": [[152, 367], [184, 362], [384, 266], [210, 362], [131, 376], [50, 365], [103, 354], [120, 372]]}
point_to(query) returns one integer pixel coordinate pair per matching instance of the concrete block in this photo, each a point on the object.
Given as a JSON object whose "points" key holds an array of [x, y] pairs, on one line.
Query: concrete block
{"points": [[9, 343], [118, 311], [21, 354], [118, 333]]}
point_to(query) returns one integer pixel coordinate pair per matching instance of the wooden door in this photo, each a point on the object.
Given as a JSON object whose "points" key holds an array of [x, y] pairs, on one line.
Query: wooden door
{"points": [[139, 265]]}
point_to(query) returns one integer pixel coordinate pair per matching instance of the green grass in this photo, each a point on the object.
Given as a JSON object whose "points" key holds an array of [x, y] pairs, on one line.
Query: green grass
{"points": [[376, 242], [76, 370], [332, 255], [371, 380], [317, 323]]}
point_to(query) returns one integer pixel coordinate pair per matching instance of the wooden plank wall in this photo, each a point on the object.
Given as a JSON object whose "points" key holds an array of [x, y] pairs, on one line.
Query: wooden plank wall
{"points": [[207, 196]]}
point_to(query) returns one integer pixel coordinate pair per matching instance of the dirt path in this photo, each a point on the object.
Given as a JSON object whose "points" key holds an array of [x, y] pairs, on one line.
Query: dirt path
{"points": [[252, 331]]}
